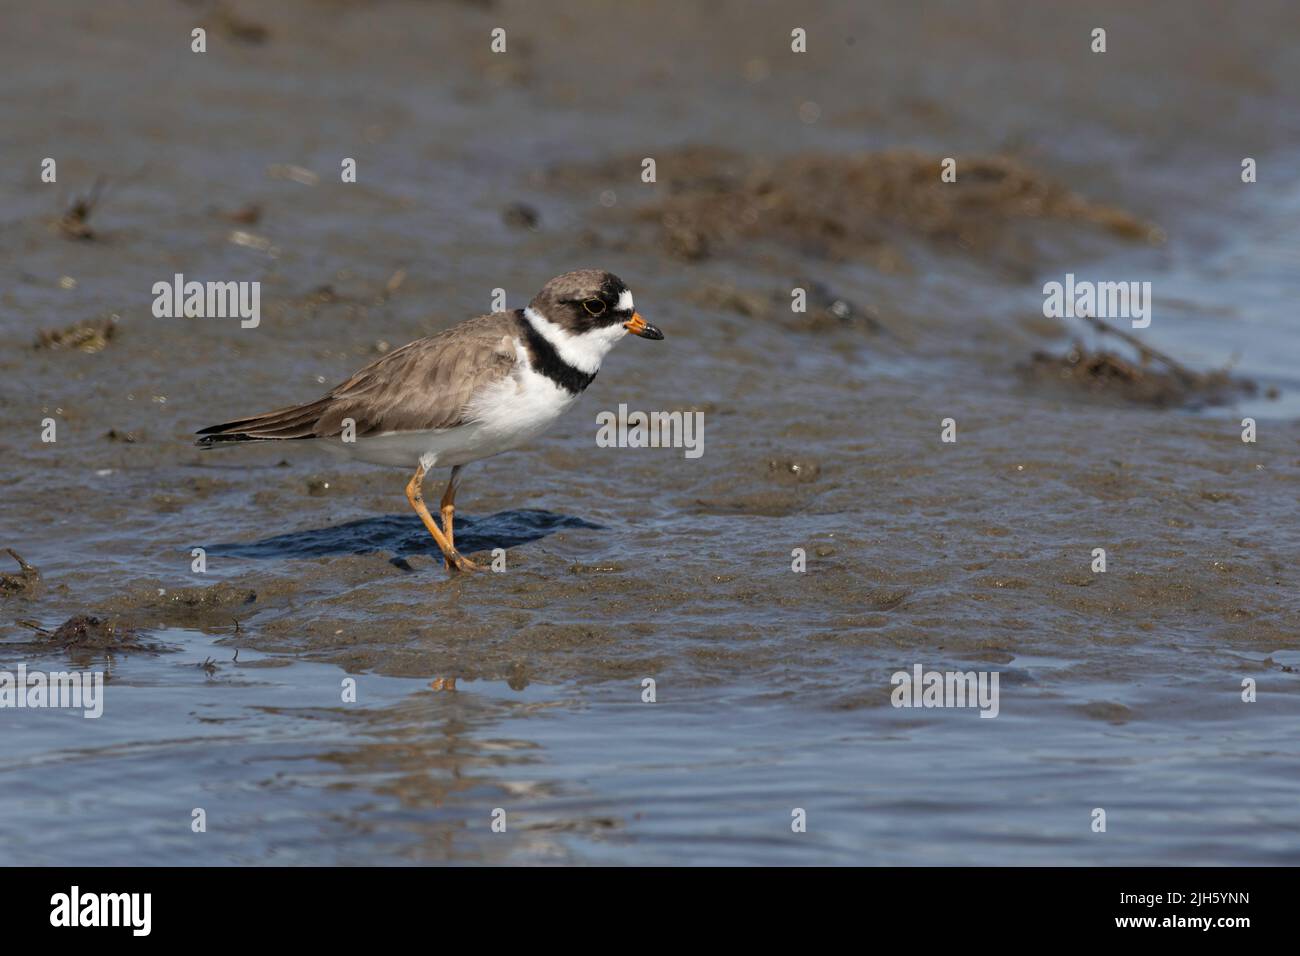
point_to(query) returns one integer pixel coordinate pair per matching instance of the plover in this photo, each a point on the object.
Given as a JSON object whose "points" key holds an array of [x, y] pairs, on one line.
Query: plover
{"points": [[478, 389]]}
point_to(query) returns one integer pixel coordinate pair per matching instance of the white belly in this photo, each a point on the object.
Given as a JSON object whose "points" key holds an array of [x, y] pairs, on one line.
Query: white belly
{"points": [[501, 417]]}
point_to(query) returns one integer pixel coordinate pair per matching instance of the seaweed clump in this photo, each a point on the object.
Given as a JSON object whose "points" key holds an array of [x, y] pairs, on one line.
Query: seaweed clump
{"points": [[1153, 378]]}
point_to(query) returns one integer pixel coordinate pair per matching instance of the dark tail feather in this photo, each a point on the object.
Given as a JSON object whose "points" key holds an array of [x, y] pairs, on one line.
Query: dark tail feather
{"points": [[282, 424]]}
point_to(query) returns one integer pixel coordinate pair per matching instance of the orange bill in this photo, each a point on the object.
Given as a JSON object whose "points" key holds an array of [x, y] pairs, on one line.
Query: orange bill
{"points": [[639, 326]]}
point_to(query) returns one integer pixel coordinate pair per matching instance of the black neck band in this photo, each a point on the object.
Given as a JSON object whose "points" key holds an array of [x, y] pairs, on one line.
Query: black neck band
{"points": [[545, 360]]}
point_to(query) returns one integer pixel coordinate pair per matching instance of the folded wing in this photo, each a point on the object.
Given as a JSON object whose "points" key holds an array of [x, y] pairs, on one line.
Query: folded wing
{"points": [[425, 385]]}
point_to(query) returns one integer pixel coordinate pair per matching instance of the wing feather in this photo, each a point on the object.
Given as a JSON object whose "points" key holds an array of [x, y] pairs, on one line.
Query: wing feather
{"points": [[425, 385]]}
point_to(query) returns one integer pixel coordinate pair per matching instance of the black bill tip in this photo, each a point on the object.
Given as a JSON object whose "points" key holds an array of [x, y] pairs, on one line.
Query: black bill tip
{"points": [[639, 326]]}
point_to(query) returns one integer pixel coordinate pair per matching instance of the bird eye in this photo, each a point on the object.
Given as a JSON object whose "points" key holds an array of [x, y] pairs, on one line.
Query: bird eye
{"points": [[594, 306]]}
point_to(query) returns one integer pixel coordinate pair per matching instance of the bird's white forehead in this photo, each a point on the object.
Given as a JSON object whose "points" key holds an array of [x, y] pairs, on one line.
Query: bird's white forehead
{"points": [[625, 302]]}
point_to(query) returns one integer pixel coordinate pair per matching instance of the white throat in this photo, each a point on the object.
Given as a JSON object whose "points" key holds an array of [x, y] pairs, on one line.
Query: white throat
{"points": [[584, 351]]}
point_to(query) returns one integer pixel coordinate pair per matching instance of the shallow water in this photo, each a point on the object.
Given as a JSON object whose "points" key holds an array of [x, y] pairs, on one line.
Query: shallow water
{"points": [[1119, 690], [407, 774]]}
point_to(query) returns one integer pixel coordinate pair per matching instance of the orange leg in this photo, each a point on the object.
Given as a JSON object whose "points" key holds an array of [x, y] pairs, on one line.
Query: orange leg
{"points": [[449, 509], [449, 553]]}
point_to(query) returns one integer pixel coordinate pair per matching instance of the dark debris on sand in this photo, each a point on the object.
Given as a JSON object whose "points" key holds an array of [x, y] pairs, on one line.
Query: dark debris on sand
{"points": [[824, 310], [228, 22], [89, 632], [1152, 379], [520, 215], [86, 630], [75, 221], [25, 582], [88, 335]]}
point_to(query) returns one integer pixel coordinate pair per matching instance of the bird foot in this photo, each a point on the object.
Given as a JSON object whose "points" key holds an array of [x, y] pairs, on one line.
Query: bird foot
{"points": [[460, 563]]}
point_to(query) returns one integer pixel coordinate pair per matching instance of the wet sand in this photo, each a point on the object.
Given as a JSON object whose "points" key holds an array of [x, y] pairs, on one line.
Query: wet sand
{"points": [[822, 430]]}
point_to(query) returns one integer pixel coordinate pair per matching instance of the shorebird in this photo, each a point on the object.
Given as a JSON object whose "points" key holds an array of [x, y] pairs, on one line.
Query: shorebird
{"points": [[478, 389]]}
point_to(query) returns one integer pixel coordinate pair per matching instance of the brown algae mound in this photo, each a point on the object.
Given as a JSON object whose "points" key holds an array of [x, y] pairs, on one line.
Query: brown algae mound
{"points": [[1153, 378], [843, 207], [89, 632], [25, 582]]}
